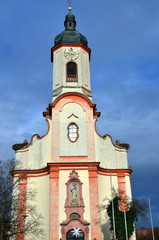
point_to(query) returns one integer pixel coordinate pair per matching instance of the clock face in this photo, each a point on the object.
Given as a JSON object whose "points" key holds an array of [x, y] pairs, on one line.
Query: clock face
{"points": [[71, 53]]}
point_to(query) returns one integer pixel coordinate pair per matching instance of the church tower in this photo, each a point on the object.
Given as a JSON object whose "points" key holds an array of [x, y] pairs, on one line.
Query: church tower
{"points": [[73, 168]]}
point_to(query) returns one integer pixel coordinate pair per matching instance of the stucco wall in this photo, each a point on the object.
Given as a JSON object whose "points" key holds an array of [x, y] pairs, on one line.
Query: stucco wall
{"points": [[73, 112], [38, 152], [60, 85], [108, 155], [40, 185]]}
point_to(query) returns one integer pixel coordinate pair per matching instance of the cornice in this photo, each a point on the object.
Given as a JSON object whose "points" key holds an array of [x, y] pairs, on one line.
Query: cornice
{"points": [[87, 49], [59, 166]]}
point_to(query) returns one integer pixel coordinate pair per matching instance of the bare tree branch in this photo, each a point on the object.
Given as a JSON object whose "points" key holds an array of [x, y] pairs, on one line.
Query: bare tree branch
{"points": [[18, 214]]}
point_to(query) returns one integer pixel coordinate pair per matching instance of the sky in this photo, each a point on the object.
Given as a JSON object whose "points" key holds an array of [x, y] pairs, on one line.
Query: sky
{"points": [[124, 39]]}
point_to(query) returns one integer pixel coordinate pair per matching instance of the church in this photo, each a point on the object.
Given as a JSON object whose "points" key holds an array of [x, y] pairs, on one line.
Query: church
{"points": [[72, 166]]}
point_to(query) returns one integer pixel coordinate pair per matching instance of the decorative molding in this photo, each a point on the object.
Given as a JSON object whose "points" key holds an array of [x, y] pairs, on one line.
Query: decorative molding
{"points": [[56, 166], [76, 208], [72, 115], [73, 175]]}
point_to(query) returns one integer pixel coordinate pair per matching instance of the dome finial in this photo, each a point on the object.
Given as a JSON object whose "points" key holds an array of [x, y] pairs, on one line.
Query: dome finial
{"points": [[69, 5]]}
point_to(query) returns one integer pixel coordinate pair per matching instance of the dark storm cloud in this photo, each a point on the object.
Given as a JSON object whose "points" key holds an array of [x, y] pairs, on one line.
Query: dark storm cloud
{"points": [[124, 37]]}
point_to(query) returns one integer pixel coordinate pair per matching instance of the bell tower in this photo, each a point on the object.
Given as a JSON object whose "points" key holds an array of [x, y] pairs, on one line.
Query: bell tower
{"points": [[71, 55], [72, 166]]}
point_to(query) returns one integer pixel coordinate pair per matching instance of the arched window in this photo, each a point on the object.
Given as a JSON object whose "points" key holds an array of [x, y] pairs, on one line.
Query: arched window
{"points": [[72, 132], [71, 72], [75, 233]]}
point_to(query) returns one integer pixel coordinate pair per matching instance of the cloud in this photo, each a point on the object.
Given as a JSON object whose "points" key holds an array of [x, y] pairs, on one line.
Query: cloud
{"points": [[123, 36]]}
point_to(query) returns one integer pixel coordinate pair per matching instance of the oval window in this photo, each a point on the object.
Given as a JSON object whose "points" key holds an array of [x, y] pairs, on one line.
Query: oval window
{"points": [[73, 132], [74, 216]]}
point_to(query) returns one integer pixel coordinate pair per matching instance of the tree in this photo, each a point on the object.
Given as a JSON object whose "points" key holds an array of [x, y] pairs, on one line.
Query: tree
{"points": [[141, 207], [132, 209], [17, 217]]}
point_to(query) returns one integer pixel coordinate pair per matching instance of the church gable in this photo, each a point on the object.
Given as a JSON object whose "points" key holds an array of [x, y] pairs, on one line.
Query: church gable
{"points": [[73, 140]]}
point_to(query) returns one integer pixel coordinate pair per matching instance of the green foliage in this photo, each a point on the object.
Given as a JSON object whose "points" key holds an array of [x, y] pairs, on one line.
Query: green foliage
{"points": [[131, 216]]}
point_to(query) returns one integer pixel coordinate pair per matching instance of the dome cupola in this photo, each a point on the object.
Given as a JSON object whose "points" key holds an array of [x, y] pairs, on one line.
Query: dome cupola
{"points": [[70, 22], [70, 35]]}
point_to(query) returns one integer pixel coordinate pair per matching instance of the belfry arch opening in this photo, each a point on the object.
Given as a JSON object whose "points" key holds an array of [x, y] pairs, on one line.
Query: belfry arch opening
{"points": [[71, 68]]}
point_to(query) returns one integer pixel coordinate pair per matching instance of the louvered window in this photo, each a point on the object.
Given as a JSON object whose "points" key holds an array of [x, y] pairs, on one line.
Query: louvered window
{"points": [[71, 72]]}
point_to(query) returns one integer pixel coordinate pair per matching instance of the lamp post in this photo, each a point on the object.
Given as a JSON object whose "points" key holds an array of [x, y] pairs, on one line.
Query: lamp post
{"points": [[126, 230], [153, 236], [114, 231]]}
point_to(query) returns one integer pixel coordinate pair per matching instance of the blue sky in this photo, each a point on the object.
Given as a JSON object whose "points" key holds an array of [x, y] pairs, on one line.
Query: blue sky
{"points": [[124, 38]]}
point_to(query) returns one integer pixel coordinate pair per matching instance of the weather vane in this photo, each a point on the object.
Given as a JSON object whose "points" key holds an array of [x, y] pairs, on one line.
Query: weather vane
{"points": [[69, 5]]}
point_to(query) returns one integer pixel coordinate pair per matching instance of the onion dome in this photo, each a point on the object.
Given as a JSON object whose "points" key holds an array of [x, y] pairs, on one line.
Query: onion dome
{"points": [[70, 35]]}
